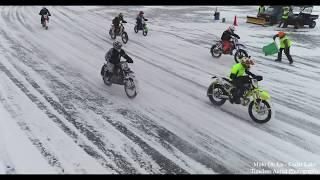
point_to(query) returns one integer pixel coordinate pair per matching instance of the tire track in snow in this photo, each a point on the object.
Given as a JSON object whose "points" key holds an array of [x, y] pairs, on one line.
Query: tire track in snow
{"points": [[168, 138], [81, 127], [167, 165], [291, 139], [157, 158], [49, 156], [274, 132]]}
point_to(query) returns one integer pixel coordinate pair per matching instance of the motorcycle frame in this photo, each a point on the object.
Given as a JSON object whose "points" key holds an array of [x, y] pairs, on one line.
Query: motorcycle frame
{"points": [[253, 94]]}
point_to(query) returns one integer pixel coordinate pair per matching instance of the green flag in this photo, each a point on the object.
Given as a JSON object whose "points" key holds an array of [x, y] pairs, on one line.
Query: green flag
{"points": [[270, 49]]}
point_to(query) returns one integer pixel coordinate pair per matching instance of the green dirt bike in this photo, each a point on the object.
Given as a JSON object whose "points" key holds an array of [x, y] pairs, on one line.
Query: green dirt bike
{"points": [[258, 100], [143, 27]]}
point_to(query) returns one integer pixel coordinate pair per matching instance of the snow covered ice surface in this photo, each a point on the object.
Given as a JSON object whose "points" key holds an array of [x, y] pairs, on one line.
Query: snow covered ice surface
{"points": [[57, 116]]}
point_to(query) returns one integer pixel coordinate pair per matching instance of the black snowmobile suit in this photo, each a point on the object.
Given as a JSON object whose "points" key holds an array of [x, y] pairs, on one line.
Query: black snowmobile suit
{"points": [[226, 36], [139, 21], [116, 21], [114, 56], [43, 12]]}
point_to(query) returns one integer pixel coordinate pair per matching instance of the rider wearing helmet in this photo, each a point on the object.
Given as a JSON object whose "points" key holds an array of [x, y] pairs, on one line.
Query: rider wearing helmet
{"points": [[226, 36], [113, 57], [44, 11], [285, 44], [239, 79], [116, 22], [139, 19]]}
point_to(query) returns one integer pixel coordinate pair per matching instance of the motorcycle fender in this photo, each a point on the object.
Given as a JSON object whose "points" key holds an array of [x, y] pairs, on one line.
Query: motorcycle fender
{"points": [[241, 45], [264, 95]]}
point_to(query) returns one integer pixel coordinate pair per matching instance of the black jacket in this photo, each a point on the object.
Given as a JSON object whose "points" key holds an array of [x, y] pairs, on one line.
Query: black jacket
{"points": [[116, 21], [113, 56], [226, 36], [139, 19], [44, 11]]}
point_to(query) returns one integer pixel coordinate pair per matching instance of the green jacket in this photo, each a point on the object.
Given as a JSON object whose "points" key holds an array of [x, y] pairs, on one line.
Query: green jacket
{"points": [[283, 42], [261, 9], [238, 70], [285, 14]]}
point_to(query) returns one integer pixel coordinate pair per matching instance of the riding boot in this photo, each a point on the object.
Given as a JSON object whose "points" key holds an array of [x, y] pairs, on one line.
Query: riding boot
{"points": [[236, 96]]}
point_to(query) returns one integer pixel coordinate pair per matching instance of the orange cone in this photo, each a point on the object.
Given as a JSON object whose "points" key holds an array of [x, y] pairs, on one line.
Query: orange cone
{"points": [[235, 21]]}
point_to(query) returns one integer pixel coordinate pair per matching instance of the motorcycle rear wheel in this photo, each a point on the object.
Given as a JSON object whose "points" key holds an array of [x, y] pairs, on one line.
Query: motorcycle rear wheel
{"points": [[112, 34], [124, 37], [215, 52], [212, 89], [266, 109], [136, 29]]}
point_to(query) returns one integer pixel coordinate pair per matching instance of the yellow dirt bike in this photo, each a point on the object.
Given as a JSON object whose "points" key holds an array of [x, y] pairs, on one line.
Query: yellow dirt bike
{"points": [[259, 108]]}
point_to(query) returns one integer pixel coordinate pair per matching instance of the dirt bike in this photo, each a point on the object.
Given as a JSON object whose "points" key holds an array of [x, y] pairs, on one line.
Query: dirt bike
{"points": [[144, 28], [217, 49], [259, 108], [45, 22], [122, 75], [122, 33]]}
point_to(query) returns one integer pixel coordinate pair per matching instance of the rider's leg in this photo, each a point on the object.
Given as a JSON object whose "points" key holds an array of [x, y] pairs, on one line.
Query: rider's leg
{"points": [[110, 70], [42, 19], [226, 46]]}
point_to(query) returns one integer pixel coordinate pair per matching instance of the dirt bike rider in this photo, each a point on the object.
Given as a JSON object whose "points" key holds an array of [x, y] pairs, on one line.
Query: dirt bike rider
{"points": [[226, 36], [139, 19], [113, 57], [239, 80], [116, 22], [44, 11]]}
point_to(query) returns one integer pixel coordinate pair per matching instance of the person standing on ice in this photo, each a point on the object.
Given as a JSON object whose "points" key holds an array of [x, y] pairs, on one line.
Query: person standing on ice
{"points": [[140, 20], [44, 11], [239, 79], [285, 16], [226, 37], [285, 44], [116, 22], [261, 10], [113, 57]]}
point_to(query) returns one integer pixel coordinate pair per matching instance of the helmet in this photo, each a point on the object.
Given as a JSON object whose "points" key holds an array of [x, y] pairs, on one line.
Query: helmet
{"points": [[117, 45], [43, 7], [120, 15], [247, 62], [141, 12], [286, 8], [281, 34], [231, 28]]}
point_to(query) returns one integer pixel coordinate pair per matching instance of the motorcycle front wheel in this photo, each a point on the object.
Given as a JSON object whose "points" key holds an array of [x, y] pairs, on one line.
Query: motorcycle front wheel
{"points": [[260, 111], [144, 32], [130, 88], [239, 54]]}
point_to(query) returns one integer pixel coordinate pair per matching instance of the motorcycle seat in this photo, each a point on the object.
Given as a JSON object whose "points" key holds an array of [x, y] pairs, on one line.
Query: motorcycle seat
{"points": [[227, 80]]}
